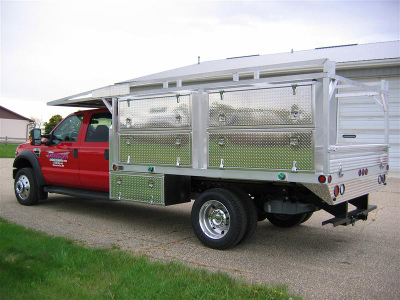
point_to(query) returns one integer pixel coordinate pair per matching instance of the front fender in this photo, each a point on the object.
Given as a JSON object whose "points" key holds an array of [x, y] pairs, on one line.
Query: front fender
{"points": [[28, 159]]}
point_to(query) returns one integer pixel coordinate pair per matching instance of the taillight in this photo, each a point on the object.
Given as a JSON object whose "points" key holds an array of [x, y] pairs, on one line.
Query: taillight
{"points": [[321, 179], [336, 190]]}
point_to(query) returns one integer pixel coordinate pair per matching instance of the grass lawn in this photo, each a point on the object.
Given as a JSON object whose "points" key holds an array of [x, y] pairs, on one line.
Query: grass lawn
{"points": [[7, 151], [34, 265]]}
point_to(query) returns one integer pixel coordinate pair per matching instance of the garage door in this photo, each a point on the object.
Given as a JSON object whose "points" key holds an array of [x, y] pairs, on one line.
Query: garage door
{"points": [[363, 118]]}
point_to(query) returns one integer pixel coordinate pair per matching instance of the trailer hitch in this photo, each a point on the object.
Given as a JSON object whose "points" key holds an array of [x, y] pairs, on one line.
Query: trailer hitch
{"points": [[344, 217]]}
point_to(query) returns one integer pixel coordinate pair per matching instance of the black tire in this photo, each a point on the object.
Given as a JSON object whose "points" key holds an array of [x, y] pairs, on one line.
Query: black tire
{"points": [[251, 212], [307, 216], [219, 205], [25, 187], [286, 221]]}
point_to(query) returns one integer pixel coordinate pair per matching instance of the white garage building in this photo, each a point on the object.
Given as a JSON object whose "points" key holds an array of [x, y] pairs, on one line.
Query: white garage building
{"points": [[360, 119], [13, 126]]}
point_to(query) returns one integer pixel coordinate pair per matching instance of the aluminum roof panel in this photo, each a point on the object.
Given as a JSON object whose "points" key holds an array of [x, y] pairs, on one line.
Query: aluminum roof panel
{"points": [[339, 54]]}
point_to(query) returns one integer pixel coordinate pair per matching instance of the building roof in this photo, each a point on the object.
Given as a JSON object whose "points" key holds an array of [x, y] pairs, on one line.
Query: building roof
{"points": [[9, 114], [343, 55]]}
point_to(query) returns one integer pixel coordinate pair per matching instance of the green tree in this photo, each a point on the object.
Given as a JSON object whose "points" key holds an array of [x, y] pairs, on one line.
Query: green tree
{"points": [[54, 120]]}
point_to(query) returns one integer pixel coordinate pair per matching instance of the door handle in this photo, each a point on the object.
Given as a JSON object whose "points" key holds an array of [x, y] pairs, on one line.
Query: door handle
{"points": [[75, 155], [106, 154]]}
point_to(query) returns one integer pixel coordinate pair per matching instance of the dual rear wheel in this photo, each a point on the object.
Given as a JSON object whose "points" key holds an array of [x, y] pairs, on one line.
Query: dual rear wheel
{"points": [[221, 218]]}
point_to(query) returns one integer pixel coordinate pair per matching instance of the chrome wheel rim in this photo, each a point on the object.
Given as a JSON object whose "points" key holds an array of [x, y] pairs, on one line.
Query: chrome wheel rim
{"points": [[23, 187], [214, 219]]}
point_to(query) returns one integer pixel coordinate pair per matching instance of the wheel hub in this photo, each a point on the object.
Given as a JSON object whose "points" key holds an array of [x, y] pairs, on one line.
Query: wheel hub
{"points": [[22, 187], [218, 218], [214, 219]]}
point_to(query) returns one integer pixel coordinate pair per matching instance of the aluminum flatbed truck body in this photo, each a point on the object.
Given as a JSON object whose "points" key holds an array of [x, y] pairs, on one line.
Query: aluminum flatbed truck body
{"points": [[247, 144]]}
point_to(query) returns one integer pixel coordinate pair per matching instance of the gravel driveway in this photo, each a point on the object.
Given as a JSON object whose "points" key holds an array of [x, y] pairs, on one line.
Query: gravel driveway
{"points": [[353, 262]]}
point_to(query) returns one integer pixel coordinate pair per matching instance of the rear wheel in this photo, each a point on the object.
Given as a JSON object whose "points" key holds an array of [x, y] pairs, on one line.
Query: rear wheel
{"points": [[251, 212], [25, 187], [219, 218], [307, 216], [286, 221]]}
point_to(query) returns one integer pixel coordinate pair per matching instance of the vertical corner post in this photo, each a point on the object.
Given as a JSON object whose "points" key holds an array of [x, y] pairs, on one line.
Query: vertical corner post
{"points": [[326, 123], [113, 143], [385, 103]]}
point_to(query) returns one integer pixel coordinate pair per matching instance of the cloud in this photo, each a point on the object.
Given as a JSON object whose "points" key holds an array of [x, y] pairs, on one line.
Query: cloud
{"points": [[55, 49]]}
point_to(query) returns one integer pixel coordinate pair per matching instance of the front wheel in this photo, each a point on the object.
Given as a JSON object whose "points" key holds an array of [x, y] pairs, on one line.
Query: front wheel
{"points": [[286, 221], [219, 218], [25, 187]]}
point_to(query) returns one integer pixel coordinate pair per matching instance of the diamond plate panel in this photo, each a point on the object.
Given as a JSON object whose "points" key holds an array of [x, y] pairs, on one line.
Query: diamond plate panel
{"points": [[258, 107], [160, 148], [149, 189], [163, 112], [354, 188], [264, 150]]}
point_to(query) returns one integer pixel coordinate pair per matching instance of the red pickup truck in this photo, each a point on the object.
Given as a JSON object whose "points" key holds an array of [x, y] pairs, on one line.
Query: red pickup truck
{"points": [[75, 155]]}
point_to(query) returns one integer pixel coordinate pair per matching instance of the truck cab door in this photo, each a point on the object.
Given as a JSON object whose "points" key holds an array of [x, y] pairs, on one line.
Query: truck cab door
{"points": [[94, 152], [60, 160]]}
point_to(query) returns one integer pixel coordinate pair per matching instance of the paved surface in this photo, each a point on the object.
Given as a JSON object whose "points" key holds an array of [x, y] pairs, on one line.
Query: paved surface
{"points": [[360, 262]]}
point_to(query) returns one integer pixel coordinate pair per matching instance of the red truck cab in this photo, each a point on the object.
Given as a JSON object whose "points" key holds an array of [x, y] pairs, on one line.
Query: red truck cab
{"points": [[74, 155]]}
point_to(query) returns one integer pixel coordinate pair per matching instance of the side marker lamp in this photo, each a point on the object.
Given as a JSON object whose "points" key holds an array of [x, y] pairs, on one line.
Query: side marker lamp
{"points": [[281, 176]]}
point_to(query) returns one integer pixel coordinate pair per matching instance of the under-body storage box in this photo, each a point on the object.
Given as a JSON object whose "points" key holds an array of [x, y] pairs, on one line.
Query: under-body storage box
{"points": [[150, 188]]}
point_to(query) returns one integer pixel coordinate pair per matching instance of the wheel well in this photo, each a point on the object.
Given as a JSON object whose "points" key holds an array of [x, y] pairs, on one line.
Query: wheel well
{"points": [[19, 164]]}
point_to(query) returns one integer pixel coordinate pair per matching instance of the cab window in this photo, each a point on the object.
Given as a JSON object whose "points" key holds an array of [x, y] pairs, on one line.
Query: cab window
{"points": [[68, 130], [99, 125]]}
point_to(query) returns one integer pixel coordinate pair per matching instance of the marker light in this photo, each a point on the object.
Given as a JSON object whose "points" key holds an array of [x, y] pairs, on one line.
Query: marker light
{"points": [[281, 176], [321, 179], [366, 171], [329, 179], [336, 190], [359, 172], [363, 172], [115, 167]]}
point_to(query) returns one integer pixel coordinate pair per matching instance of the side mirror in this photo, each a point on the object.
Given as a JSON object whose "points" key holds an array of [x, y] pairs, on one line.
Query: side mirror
{"points": [[48, 139], [35, 137]]}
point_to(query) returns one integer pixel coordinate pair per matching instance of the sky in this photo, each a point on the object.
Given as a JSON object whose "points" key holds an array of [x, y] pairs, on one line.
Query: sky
{"points": [[54, 49]]}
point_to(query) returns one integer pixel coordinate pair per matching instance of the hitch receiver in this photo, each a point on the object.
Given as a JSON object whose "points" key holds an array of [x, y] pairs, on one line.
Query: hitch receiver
{"points": [[345, 217]]}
